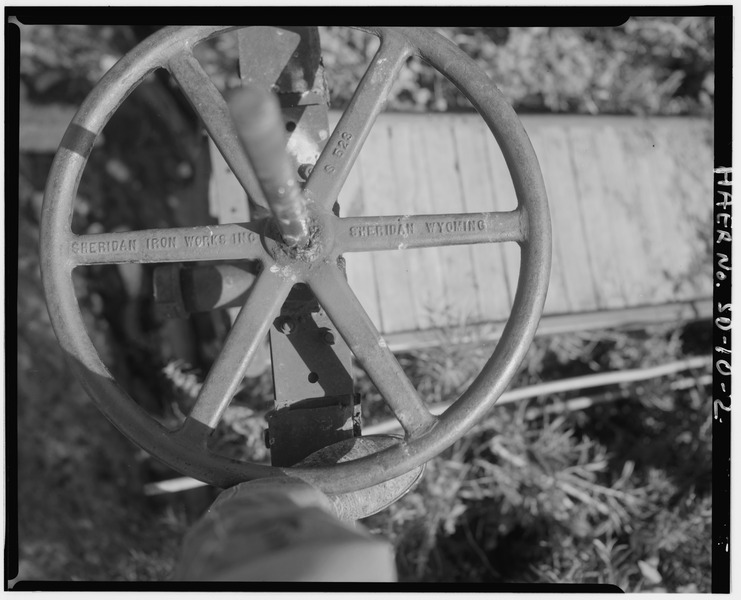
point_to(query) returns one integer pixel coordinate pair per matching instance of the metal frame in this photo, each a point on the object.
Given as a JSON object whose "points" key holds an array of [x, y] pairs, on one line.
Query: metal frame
{"points": [[315, 264]]}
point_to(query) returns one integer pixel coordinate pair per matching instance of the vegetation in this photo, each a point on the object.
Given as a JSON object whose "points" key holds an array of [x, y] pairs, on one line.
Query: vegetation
{"points": [[648, 66], [618, 492], [654, 66]]}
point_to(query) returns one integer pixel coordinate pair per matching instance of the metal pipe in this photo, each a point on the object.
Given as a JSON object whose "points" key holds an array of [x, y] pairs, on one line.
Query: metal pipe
{"points": [[182, 290], [180, 484], [567, 385], [257, 116], [208, 287]]}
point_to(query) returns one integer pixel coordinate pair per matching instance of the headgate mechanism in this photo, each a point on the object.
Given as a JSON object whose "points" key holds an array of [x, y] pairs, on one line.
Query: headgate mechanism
{"points": [[284, 264]]}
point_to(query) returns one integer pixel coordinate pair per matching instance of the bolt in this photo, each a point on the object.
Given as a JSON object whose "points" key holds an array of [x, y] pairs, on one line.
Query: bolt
{"points": [[305, 170], [266, 437], [328, 337], [287, 326]]}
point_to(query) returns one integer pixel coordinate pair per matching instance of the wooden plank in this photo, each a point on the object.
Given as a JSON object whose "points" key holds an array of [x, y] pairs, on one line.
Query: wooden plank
{"points": [[625, 215], [360, 268], [226, 198], [504, 199], [670, 248], [436, 145], [643, 279], [569, 240], [350, 199], [362, 279], [430, 281], [558, 299], [633, 317], [413, 193], [42, 126], [411, 196], [654, 216], [604, 250], [488, 260], [391, 267], [697, 197], [687, 168]]}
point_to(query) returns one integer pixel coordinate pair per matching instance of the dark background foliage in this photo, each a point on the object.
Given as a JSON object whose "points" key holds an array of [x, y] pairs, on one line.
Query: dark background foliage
{"points": [[653, 66]]}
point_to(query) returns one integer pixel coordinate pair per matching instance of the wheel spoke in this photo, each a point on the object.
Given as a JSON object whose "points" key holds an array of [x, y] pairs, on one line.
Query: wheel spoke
{"points": [[214, 112], [263, 304], [338, 156], [178, 244], [347, 314], [358, 234]]}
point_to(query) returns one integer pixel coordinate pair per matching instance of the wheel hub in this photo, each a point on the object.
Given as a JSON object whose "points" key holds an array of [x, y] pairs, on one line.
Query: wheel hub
{"points": [[298, 259]]}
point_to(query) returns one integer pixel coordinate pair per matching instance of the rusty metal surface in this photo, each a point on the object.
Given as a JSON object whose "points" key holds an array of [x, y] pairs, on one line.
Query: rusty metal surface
{"points": [[186, 449]]}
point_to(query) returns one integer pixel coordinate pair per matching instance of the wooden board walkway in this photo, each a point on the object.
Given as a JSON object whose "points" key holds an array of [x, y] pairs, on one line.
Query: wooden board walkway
{"points": [[631, 208], [630, 199]]}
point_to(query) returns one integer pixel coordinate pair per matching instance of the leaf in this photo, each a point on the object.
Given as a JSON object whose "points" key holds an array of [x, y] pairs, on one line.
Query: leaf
{"points": [[649, 572]]}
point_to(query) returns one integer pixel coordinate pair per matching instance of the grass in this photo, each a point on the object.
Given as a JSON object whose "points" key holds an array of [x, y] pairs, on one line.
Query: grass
{"points": [[618, 493]]}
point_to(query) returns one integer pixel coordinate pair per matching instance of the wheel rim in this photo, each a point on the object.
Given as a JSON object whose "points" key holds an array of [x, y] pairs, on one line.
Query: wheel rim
{"points": [[186, 448]]}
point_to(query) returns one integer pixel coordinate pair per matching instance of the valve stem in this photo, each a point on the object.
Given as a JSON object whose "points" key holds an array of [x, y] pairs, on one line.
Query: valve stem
{"points": [[256, 114]]}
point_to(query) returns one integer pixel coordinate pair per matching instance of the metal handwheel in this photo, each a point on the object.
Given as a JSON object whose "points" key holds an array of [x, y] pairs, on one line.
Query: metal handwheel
{"points": [[314, 263]]}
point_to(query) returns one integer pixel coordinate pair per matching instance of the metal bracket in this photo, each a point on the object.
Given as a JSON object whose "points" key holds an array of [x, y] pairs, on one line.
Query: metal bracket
{"points": [[312, 376], [289, 63]]}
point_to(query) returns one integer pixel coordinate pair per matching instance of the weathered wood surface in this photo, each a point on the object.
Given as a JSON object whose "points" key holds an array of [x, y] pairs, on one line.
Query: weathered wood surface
{"points": [[630, 199], [41, 126]]}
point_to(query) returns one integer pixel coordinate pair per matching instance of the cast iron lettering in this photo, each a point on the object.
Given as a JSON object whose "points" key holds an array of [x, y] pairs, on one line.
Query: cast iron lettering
{"points": [[204, 241], [339, 150], [406, 229], [242, 237], [388, 229], [455, 226], [104, 247], [161, 243]]}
